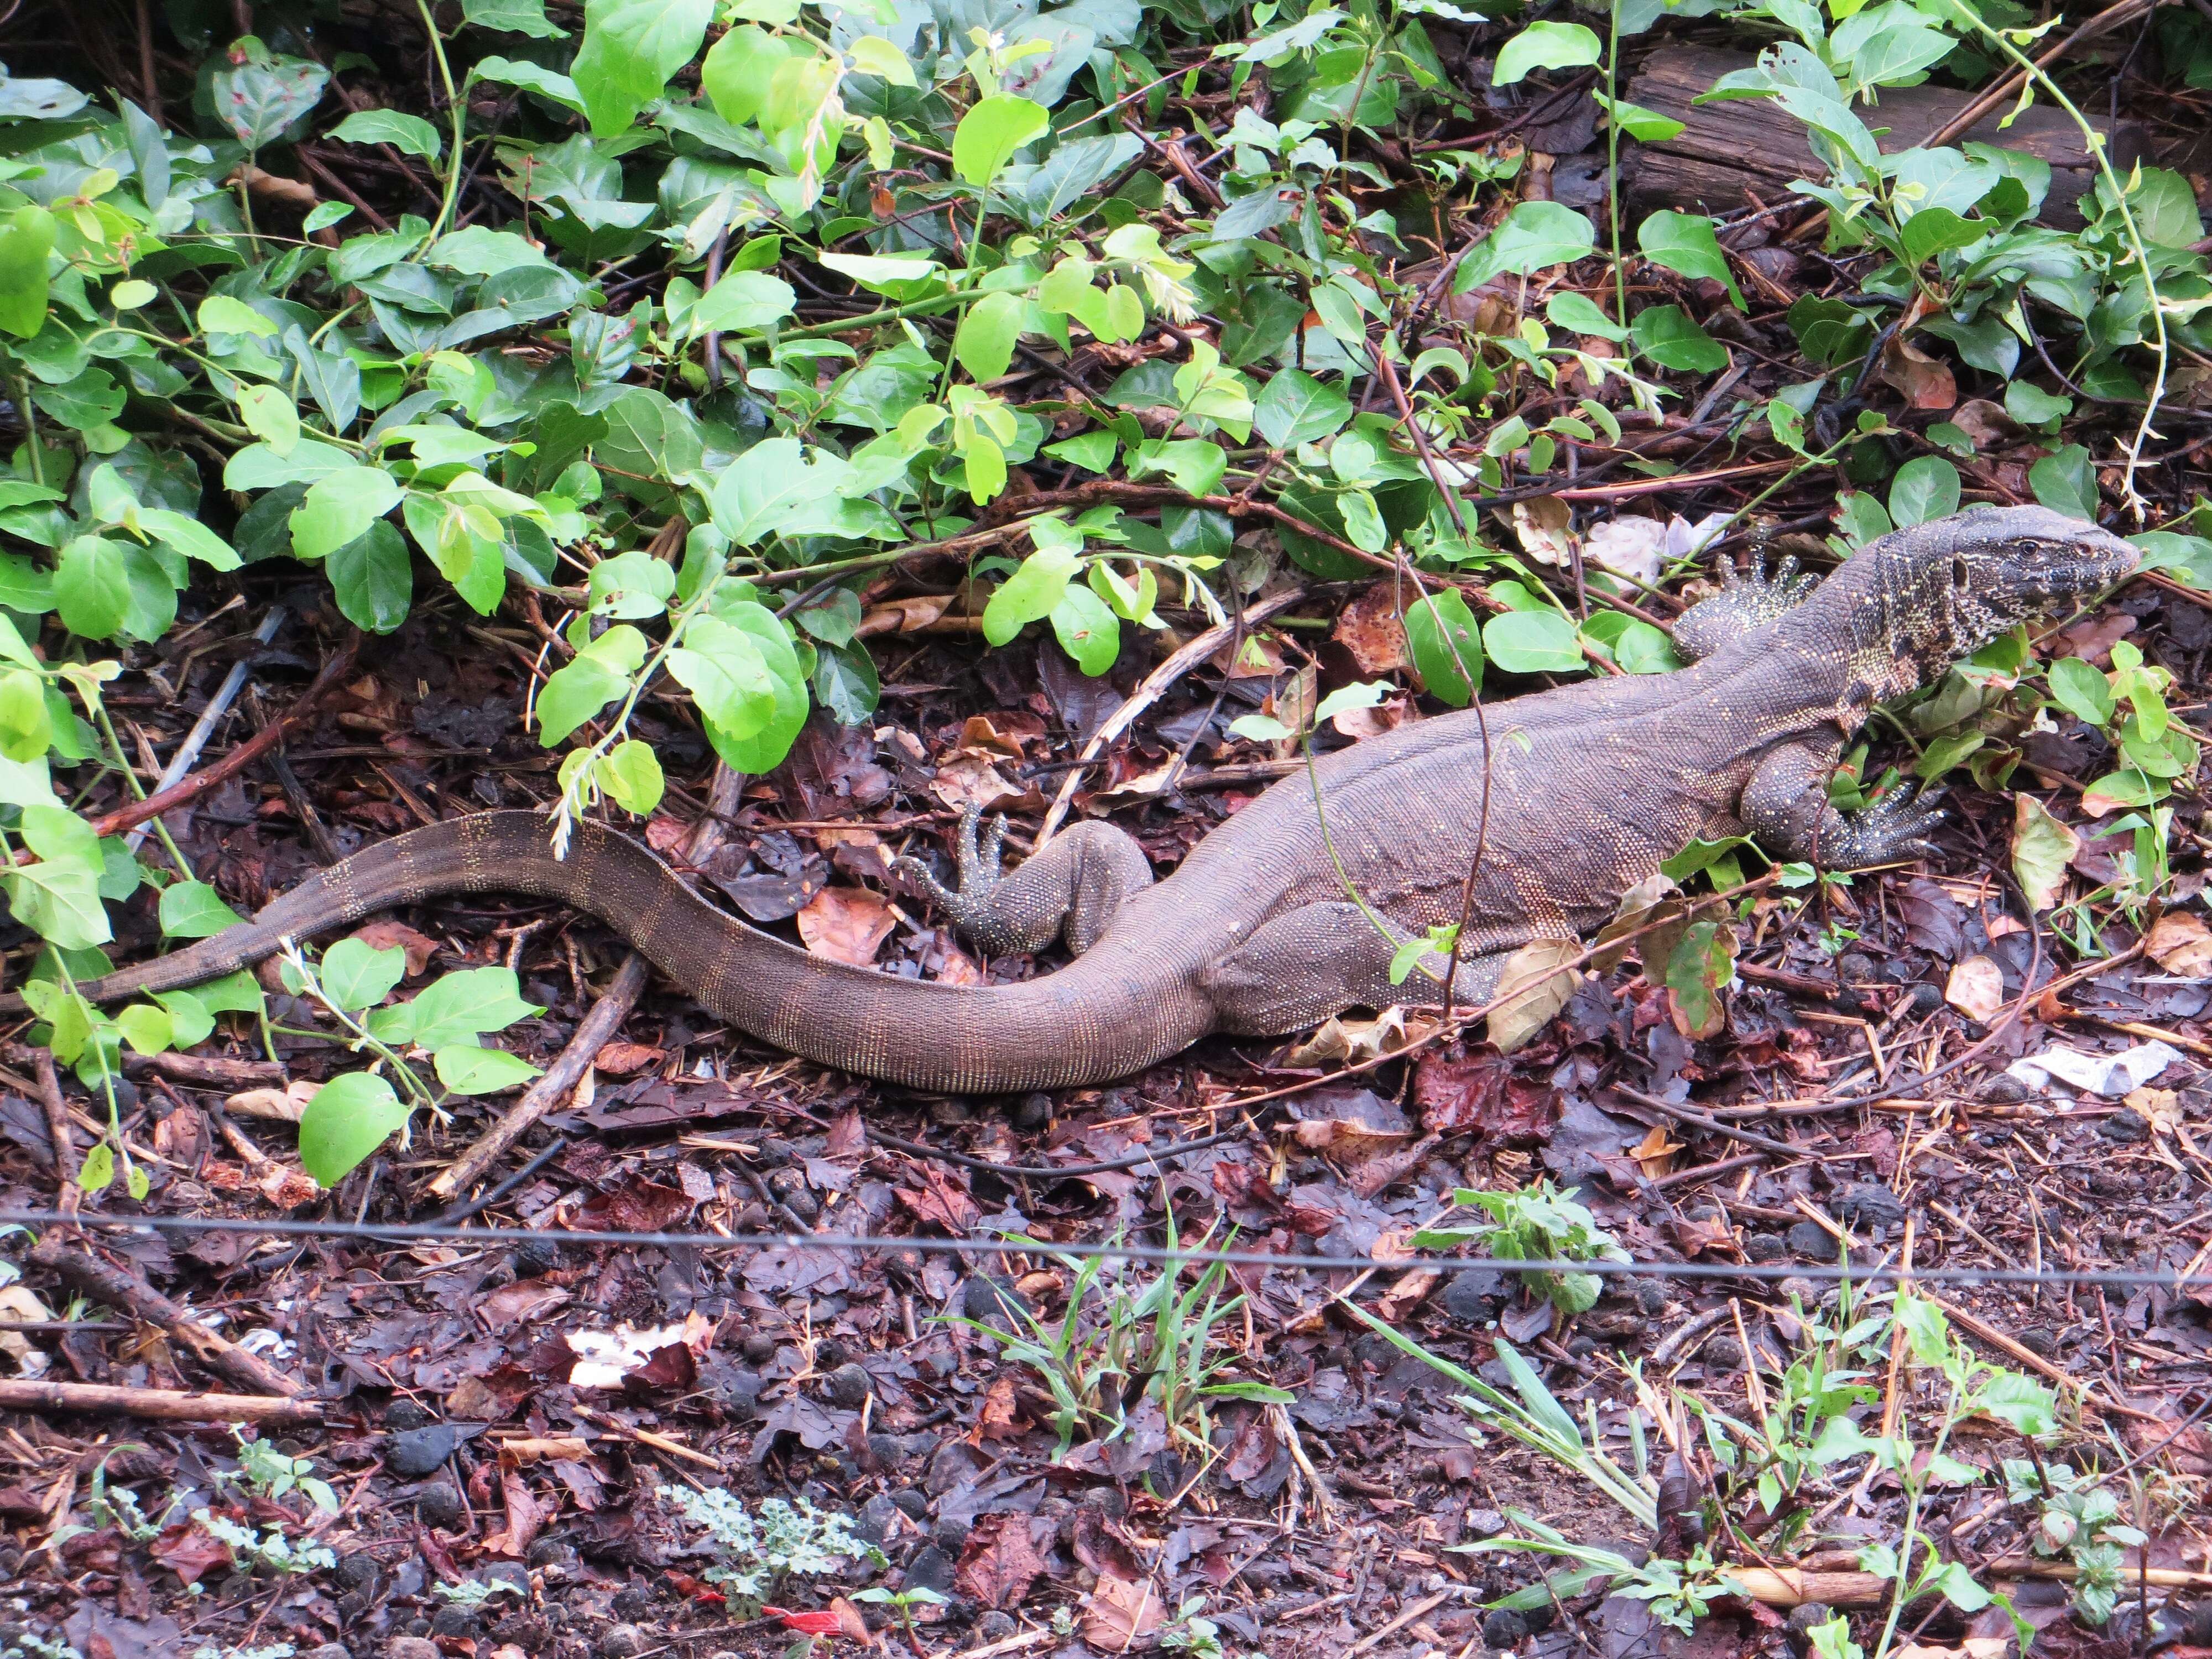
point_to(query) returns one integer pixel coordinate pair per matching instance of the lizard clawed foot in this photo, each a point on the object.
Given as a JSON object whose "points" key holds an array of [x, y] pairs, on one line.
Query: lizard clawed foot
{"points": [[1897, 826], [978, 856], [1748, 600], [1786, 587]]}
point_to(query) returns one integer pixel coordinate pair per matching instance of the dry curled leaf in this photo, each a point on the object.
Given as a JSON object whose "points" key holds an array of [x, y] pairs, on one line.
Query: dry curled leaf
{"points": [[1534, 985], [2042, 847], [846, 924], [1976, 988], [2181, 943], [1119, 1615]]}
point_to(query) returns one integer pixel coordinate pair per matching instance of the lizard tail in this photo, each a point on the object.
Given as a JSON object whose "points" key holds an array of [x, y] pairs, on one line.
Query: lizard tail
{"points": [[1104, 1016]]}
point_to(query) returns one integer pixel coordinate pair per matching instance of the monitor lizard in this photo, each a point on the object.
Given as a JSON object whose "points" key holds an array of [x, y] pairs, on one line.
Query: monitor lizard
{"points": [[1590, 786]]}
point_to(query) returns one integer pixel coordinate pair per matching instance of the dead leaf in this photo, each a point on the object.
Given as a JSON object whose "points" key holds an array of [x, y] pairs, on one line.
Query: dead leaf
{"points": [[1634, 547], [906, 616], [966, 780], [2042, 847], [2093, 638], [1534, 985], [2181, 943], [284, 1105], [1411, 1290], [420, 947], [627, 1058], [846, 924], [550, 1449], [943, 1202], [1542, 525], [999, 1561], [190, 1551], [1976, 988], [636, 1205], [1000, 1418], [1656, 1152], [1986, 424], [1349, 1038], [1117, 1614], [525, 1516], [1926, 383], [1372, 631], [979, 736]]}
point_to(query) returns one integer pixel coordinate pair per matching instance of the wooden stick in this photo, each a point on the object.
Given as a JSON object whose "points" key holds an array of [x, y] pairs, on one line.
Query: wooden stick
{"points": [[127, 1290], [2019, 1353], [1790, 1587], [57, 1129], [597, 1029], [185, 791], [166, 1405]]}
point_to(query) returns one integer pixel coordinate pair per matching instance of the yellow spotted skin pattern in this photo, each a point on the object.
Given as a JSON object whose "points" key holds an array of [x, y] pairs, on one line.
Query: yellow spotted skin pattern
{"points": [[1589, 787]]}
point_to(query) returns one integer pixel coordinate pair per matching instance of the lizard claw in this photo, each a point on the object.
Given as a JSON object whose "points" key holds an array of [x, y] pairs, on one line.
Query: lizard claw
{"points": [[1897, 825], [978, 857]]}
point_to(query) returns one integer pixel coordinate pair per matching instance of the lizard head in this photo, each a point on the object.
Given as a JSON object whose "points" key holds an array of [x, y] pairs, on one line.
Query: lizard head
{"points": [[1958, 584]]}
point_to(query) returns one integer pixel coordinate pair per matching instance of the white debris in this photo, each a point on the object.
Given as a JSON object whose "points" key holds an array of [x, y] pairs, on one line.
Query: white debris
{"points": [[604, 1357], [2109, 1075]]}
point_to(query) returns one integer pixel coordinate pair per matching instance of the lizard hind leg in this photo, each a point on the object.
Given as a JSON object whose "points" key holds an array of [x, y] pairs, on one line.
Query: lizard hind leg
{"points": [[1069, 889], [1306, 964]]}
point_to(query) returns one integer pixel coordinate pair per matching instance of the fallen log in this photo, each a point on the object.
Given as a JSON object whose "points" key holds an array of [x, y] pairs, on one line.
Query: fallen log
{"points": [[165, 1405], [1744, 152]]}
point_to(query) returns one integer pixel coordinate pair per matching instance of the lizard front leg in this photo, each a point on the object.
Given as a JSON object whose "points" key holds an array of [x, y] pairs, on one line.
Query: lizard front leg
{"points": [[1070, 889], [1745, 603], [1785, 807]]}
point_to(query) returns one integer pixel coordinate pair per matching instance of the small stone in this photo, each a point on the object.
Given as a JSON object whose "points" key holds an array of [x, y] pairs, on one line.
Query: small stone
{"points": [[1802, 1620], [413, 1453], [850, 1386], [1472, 1299], [759, 1349], [1722, 1353], [1484, 1523], [404, 1414], [989, 1301], [1764, 1246], [2039, 1342], [995, 1626], [358, 1571], [459, 1622], [1805, 1291], [1033, 1113], [508, 1572], [1651, 1296], [537, 1256], [1926, 1000], [631, 1604], [878, 1516], [1868, 1204], [621, 1642], [329, 1651], [930, 1569], [2127, 1124], [1808, 1241], [411, 1647], [1855, 968], [829, 1353], [1502, 1627], [440, 1506], [951, 1534], [915, 1504]]}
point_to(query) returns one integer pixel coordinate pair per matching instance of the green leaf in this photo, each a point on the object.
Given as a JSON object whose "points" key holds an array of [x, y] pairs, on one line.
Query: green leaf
{"points": [[340, 508], [991, 131], [1534, 237], [1446, 645], [146, 1029], [458, 1007], [1294, 408], [1667, 336], [1088, 630], [220, 314], [469, 1068], [258, 95], [742, 301], [26, 237], [59, 897], [727, 673], [2066, 483], [631, 48], [1533, 642], [409, 134], [269, 416], [1093, 450], [1646, 126], [630, 772], [349, 1117], [2042, 847], [1033, 593], [92, 586], [599, 673], [1925, 488], [2031, 405], [1546, 45], [987, 334], [512, 17], [2081, 691], [373, 579], [1684, 242], [1579, 313], [357, 975], [1699, 971], [192, 909]]}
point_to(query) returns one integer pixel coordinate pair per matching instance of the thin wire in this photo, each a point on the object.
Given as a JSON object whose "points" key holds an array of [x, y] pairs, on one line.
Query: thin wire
{"points": [[856, 1242]]}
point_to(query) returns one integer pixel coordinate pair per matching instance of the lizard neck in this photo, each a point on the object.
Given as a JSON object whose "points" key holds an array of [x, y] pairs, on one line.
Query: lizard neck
{"points": [[1880, 627]]}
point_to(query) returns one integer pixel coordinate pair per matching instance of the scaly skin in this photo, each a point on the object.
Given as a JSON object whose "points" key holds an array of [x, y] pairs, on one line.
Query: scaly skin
{"points": [[1592, 787]]}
